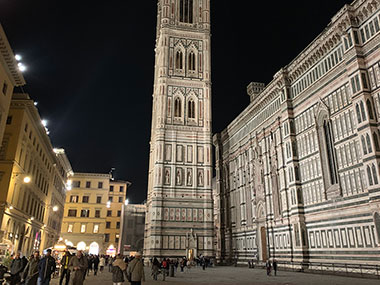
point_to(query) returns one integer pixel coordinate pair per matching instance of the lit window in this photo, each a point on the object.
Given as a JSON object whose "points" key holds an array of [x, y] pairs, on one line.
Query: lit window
{"points": [[70, 228], [83, 228], [96, 229]]}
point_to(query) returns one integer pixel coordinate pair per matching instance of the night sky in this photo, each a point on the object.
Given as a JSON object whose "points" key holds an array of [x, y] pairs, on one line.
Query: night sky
{"points": [[90, 67]]}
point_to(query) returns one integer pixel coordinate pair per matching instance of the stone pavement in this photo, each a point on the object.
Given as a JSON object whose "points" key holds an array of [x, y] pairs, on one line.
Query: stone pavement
{"points": [[233, 275]]}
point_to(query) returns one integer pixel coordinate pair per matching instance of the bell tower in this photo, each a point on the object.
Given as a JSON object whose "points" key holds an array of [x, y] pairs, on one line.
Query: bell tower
{"points": [[179, 203]]}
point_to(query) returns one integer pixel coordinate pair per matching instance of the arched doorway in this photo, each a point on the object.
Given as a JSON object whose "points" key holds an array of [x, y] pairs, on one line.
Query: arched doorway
{"points": [[94, 248], [81, 246]]}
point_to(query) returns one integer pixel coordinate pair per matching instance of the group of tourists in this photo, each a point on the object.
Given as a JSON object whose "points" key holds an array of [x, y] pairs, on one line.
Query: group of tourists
{"points": [[130, 269], [271, 265], [35, 270], [163, 266]]}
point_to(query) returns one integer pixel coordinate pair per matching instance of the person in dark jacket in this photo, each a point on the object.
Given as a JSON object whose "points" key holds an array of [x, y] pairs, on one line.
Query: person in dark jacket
{"points": [[96, 261], [17, 266], [46, 268], [30, 274], [65, 271]]}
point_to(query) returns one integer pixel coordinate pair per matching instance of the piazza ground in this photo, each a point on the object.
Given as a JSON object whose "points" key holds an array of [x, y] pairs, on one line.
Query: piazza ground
{"points": [[232, 275]]}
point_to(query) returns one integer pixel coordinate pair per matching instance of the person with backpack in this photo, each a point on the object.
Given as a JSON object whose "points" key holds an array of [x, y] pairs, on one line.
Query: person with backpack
{"points": [[135, 270], [118, 269]]}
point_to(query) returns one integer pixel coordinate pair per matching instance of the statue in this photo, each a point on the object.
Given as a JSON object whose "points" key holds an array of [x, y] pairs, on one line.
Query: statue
{"points": [[189, 177], [167, 176], [179, 177]]}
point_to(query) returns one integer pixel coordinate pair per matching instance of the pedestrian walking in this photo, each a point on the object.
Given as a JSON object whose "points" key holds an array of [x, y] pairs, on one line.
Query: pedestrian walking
{"points": [[96, 262], [102, 263], [135, 270], [17, 267], [78, 265], [46, 267], [268, 266], [30, 274], [65, 271], [275, 267], [118, 269], [155, 268]]}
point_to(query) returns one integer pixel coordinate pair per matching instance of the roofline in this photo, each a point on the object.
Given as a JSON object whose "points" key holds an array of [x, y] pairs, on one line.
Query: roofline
{"points": [[7, 57]]}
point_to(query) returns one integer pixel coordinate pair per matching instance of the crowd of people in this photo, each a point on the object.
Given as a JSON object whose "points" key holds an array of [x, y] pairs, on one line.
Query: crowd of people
{"points": [[185, 265]]}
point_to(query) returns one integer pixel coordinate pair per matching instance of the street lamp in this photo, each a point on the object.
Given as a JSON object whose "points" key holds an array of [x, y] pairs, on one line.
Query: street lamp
{"points": [[27, 179], [55, 208], [126, 202]]}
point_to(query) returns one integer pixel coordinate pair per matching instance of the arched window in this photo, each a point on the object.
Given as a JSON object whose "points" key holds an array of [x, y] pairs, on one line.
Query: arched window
{"points": [[358, 114], [369, 146], [191, 109], [370, 111], [186, 11], [369, 174], [191, 61], [364, 118], [376, 142], [177, 108], [374, 174], [364, 145], [330, 152], [376, 220], [179, 60]]}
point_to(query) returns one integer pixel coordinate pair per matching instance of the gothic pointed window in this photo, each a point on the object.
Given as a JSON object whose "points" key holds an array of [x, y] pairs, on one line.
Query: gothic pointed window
{"points": [[364, 145], [358, 113], [369, 174], [364, 118], [374, 175], [191, 109], [186, 10], [177, 108], [369, 146], [179, 60], [369, 107], [330, 152], [376, 220], [191, 61], [376, 142]]}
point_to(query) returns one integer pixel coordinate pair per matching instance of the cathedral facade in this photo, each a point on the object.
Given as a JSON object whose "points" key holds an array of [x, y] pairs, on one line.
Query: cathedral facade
{"points": [[297, 172], [179, 219]]}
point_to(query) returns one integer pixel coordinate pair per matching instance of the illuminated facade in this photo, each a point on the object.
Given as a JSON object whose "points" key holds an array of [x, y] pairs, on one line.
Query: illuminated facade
{"points": [[10, 77], [298, 169], [33, 178], [179, 218], [92, 215]]}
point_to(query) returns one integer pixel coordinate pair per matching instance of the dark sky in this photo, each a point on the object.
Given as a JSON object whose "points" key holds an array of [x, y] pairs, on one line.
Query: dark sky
{"points": [[90, 67]]}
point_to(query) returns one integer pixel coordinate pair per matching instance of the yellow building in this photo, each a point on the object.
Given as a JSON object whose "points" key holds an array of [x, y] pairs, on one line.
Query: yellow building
{"points": [[10, 77], [33, 179], [92, 215], [116, 200]]}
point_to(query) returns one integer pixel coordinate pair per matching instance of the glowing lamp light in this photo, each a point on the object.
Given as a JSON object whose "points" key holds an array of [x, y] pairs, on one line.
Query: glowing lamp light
{"points": [[109, 204], [18, 57], [21, 67], [55, 208], [126, 202], [32, 218], [27, 179], [44, 123], [35, 103], [11, 207]]}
